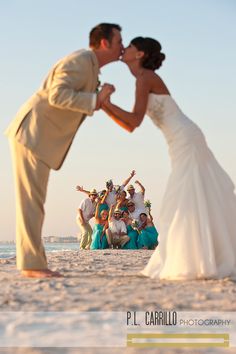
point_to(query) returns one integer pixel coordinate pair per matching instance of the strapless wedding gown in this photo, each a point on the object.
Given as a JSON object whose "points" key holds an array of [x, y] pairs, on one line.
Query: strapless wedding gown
{"points": [[197, 222]]}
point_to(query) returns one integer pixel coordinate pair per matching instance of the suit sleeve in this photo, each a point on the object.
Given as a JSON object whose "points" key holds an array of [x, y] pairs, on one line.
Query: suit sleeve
{"points": [[67, 87]]}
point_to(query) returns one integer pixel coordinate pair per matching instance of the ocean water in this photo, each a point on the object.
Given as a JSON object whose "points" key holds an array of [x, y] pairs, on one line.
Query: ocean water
{"points": [[9, 250]]}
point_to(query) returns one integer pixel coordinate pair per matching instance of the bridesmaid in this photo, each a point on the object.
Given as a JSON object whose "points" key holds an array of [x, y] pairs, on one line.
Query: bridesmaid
{"points": [[99, 239], [132, 233], [103, 205], [122, 201], [148, 233]]}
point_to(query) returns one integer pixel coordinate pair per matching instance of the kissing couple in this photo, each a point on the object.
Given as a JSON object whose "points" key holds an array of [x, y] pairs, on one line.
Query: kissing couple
{"points": [[197, 231]]}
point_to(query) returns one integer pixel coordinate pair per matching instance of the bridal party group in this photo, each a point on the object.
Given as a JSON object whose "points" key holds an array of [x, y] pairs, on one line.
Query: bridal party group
{"points": [[122, 218]]}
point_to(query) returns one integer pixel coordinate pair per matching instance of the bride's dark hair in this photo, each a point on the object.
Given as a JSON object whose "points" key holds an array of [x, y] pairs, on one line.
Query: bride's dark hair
{"points": [[153, 57]]}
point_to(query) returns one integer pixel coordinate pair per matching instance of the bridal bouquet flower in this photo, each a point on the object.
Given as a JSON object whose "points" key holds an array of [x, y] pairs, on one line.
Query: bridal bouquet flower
{"points": [[98, 86], [135, 225], [109, 183], [148, 204], [117, 189]]}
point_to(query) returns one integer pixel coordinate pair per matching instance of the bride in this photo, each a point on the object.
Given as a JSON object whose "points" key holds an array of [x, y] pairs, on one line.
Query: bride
{"points": [[197, 219]]}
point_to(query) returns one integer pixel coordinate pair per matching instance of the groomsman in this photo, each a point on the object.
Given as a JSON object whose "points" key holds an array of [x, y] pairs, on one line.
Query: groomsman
{"points": [[137, 197], [110, 199], [111, 196], [133, 212], [116, 233], [86, 212], [44, 128]]}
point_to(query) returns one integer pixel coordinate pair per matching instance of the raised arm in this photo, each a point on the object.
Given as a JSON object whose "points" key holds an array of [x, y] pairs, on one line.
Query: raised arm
{"points": [[111, 212], [150, 216], [141, 187], [81, 189], [131, 120], [104, 197], [129, 178], [97, 210], [118, 203]]}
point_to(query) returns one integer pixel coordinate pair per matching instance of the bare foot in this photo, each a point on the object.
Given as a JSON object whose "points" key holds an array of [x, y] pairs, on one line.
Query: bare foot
{"points": [[44, 273]]}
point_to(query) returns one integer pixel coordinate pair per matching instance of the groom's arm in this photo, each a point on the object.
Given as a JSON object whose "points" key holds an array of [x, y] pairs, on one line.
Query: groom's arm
{"points": [[67, 88]]}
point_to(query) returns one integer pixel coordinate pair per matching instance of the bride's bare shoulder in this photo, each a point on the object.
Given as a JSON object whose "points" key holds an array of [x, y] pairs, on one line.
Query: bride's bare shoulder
{"points": [[148, 80], [158, 85], [149, 76]]}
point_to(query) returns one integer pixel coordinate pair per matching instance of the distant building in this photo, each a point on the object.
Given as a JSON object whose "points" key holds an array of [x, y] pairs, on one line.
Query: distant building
{"points": [[60, 239], [8, 242]]}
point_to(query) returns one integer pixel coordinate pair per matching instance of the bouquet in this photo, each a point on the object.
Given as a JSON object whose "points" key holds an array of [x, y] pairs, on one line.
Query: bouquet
{"points": [[109, 183], [117, 189], [148, 205], [135, 225], [98, 86]]}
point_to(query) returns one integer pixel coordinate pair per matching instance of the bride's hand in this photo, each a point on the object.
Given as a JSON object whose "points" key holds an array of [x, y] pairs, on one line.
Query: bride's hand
{"points": [[104, 94], [107, 100]]}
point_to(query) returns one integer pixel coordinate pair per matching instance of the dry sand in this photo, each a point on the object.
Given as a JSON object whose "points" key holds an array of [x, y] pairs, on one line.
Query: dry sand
{"points": [[109, 280]]}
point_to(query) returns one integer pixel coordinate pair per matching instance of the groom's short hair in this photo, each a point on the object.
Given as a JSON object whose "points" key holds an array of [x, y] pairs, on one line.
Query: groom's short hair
{"points": [[102, 31]]}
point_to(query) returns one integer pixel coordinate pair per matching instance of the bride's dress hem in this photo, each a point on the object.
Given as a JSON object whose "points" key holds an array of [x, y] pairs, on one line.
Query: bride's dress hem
{"points": [[232, 276]]}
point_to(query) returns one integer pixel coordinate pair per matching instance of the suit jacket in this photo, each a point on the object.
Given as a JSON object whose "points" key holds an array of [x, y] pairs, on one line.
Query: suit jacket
{"points": [[47, 123]]}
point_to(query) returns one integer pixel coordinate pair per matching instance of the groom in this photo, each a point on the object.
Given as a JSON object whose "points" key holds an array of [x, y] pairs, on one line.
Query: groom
{"points": [[41, 135]]}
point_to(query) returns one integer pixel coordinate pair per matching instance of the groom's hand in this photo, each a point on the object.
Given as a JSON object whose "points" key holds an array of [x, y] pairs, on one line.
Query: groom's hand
{"points": [[106, 91]]}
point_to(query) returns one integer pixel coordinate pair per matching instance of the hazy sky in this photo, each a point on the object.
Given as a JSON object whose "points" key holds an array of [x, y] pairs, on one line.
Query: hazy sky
{"points": [[198, 38]]}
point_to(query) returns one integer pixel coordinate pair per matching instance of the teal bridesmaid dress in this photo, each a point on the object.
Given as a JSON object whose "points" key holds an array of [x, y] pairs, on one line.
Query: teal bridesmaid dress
{"points": [[133, 242], [124, 208], [97, 243], [148, 237]]}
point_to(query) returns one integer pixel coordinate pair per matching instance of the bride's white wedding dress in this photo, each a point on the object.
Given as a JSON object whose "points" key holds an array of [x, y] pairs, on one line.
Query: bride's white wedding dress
{"points": [[197, 223]]}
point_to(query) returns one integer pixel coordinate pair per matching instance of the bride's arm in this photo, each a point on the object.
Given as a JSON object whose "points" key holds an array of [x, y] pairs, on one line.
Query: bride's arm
{"points": [[117, 120], [130, 120]]}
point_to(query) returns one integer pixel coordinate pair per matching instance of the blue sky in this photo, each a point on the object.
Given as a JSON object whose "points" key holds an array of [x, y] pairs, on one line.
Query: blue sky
{"points": [[198, 38]]}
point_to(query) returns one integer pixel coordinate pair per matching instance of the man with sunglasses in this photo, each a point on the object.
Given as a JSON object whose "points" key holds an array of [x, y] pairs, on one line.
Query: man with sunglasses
{"points": [[116, 233]]}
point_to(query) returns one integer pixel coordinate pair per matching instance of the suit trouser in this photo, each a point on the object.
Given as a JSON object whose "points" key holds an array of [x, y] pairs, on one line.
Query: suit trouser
{"points": [[115, 239], [31, 179], [86, 235]]}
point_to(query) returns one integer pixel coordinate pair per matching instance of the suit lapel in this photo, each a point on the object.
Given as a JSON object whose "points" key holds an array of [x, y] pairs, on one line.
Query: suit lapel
{"points": [[96, 70]]}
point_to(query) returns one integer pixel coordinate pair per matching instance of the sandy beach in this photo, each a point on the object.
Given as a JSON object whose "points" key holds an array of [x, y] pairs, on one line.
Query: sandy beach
{"points": [[108, 280]]}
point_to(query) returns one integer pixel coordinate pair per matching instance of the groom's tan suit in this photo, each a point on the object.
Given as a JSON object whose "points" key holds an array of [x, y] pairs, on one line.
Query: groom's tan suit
{"points": [[40, 137]]}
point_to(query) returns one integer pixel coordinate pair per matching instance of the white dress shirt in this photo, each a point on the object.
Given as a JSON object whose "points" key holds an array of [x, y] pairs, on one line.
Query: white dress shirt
{"points": [[111, 197], [138, 199], [88, 209], [117, 226]]}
